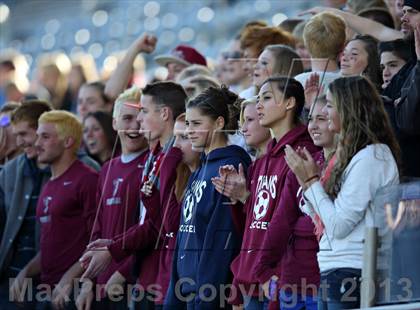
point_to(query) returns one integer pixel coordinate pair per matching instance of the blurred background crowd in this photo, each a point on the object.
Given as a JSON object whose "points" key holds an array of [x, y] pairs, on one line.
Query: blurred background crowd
{"points": [[91, 35]]}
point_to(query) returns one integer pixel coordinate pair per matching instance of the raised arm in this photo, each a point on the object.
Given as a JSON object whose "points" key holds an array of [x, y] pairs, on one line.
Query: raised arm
{"points": [[360, 24], [120, 77]]}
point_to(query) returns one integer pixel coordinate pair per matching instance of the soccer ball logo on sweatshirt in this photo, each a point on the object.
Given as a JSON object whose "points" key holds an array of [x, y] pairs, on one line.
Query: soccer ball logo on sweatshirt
{"points": [[188, 207], [266, 191], [192, 198], [261, 205]]}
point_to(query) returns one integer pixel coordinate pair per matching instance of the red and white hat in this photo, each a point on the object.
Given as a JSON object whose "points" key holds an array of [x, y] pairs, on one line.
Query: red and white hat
{"points": [[183, 54]]}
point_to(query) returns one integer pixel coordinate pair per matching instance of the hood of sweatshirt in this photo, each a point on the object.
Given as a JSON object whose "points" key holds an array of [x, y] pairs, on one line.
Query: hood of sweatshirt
{"points": [[298, 136], [229, 151], [299, 133]]}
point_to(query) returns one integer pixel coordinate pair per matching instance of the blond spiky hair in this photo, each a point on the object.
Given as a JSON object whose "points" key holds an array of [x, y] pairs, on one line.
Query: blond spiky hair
{"points": [[66, 124], [132, 94]]}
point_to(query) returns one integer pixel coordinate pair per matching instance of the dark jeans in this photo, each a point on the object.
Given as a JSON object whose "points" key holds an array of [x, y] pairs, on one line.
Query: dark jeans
{"points": [[192, 306], [46, 305], [107, 304], [145, 303], [339, 289], [253, 303], [291, 301]]}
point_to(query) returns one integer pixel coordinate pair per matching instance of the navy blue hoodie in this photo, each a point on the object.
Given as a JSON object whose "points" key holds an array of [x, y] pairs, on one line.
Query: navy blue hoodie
{"points": [[208, 239]]}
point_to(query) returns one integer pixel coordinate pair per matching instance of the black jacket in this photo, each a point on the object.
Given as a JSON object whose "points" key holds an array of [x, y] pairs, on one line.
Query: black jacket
{"points": [[402, 102]]}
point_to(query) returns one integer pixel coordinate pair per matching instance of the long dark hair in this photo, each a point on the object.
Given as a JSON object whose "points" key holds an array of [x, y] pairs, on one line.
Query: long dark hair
{"points": [[105, 121], [363, 121]]}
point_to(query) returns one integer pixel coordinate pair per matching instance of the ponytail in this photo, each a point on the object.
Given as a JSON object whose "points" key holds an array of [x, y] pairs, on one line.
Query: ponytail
{"points": [[217, 102]]}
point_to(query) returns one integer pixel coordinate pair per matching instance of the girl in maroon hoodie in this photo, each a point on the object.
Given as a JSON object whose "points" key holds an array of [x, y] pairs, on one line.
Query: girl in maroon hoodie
{"points": [[182, 159], [291, 237], [280, 103]]}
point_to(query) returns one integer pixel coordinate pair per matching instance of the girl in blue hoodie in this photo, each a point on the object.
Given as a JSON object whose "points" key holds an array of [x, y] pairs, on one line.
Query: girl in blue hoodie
{"points": [[210, 226]]}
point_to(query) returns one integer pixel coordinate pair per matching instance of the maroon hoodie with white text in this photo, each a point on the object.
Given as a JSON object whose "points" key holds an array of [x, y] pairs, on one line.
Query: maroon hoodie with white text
{"points": [[291, 241], [267, 178]]}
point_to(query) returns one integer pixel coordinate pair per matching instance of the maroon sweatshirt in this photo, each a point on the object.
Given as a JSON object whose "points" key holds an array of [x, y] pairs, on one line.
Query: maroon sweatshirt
{"points": [[145, 239], [142, 238], [117, 198], [170, 218], [66, 210], [266, 183], [290, 240]]}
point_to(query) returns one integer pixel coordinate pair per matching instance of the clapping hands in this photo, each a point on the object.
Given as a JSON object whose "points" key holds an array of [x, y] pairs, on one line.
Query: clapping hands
{"points": [[231, 183]]}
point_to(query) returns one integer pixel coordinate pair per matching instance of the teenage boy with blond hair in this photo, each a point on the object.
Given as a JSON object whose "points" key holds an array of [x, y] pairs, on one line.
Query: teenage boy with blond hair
{"points": [[161, 104], [66, 207], [117, 197], [21, 181], [324, 36]]}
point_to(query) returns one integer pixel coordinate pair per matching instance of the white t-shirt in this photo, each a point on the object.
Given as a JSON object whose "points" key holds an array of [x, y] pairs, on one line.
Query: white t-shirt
{"points": [[248, 93], [325, 78]]}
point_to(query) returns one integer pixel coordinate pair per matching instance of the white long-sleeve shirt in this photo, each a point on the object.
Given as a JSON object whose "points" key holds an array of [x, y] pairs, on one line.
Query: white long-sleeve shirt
{"points": [[325, 77], [345, 218]]}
